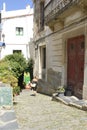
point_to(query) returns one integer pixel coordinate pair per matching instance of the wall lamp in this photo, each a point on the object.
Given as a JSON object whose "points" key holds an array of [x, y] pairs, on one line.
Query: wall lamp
{"points": [[2, 45]]}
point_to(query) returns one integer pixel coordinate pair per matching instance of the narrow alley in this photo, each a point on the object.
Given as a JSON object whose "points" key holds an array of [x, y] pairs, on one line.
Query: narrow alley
{"points": [[41, 113]]}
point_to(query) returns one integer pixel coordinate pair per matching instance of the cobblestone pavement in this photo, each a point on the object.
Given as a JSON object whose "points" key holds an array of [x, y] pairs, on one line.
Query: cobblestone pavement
{"points": [[8, 119], [41, 113]]}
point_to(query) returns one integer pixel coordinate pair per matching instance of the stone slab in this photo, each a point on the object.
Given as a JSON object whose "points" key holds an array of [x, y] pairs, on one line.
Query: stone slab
{"points": [[8, 120], [6, 95]]}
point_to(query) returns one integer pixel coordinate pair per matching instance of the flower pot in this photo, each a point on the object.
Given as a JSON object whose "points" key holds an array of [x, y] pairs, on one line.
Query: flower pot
{"points": [[61, 94]]}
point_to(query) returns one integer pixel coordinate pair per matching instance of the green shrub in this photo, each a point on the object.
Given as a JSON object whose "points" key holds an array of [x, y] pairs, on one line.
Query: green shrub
{"points": [[30, 65], [6, 75], [61, 89], [12, 68], [10, 79], [16, 90], [17, 64]]}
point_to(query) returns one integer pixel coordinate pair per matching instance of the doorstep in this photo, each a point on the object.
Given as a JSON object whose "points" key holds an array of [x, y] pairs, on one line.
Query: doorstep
{"points": [[71, 101]]}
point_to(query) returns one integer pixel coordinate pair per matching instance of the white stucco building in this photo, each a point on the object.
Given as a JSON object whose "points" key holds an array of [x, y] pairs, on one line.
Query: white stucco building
{"points": [[16, 30]]}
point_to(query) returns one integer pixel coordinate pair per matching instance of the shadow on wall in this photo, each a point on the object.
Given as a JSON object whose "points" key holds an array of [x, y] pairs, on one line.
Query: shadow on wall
{"points": [[53, 81], [54, 78]]}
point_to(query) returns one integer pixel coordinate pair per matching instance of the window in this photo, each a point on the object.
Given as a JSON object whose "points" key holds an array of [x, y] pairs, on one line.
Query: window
{"points": [[17, 51], [44, 58], [19, 31], [0, 17], [41, 15]]}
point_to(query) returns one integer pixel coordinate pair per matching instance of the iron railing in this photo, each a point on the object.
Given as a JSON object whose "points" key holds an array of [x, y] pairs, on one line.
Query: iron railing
{"points": [[55, 7]]}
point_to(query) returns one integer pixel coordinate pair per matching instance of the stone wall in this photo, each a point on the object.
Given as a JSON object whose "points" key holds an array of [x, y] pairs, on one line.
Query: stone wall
{"points": [[85, 92], [45, 87], [32, 49]]}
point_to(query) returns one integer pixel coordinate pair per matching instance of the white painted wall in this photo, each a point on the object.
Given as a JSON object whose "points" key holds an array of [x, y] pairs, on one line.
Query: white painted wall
{"points": [[11, 20]]}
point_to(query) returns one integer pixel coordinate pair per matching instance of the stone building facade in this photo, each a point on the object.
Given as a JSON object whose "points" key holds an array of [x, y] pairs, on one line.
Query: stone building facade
{"points": [[60, 40]]}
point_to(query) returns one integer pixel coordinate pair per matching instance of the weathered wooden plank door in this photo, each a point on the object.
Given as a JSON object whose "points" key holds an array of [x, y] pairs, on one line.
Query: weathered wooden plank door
{"points": [[75, 64]]}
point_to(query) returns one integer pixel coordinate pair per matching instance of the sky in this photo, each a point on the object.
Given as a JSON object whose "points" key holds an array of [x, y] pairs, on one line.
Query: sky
{"points": [[15, 4]]}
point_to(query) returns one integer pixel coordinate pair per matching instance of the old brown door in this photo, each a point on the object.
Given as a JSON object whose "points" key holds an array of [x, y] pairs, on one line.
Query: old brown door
{"points": [[75, 65]]}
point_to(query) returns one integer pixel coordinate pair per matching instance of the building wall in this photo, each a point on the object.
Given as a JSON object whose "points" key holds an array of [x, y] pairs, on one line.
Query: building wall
{"points": [[71, 23], [57, 52], [11, 20]]}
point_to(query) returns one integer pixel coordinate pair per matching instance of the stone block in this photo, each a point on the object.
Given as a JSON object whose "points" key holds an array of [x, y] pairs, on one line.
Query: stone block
{"points": [[6, 95]]}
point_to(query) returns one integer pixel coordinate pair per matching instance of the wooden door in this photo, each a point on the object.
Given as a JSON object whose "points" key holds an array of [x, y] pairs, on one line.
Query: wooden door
{"points": [[75, 64]]}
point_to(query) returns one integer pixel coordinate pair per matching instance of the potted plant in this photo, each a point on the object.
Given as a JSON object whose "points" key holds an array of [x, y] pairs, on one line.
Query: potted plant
{"points": [[61, 90]]}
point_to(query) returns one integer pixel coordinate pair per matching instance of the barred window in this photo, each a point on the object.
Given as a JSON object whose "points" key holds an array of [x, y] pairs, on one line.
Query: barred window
{"points": [[19, 31], [17, 51]]}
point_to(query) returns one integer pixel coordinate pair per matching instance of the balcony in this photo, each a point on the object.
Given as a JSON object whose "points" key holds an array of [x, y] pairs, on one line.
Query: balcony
{"points": [[55, 8]]}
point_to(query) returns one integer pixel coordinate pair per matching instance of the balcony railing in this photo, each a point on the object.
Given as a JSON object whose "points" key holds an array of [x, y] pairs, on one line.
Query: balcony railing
{"points": [[55, 7]]}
